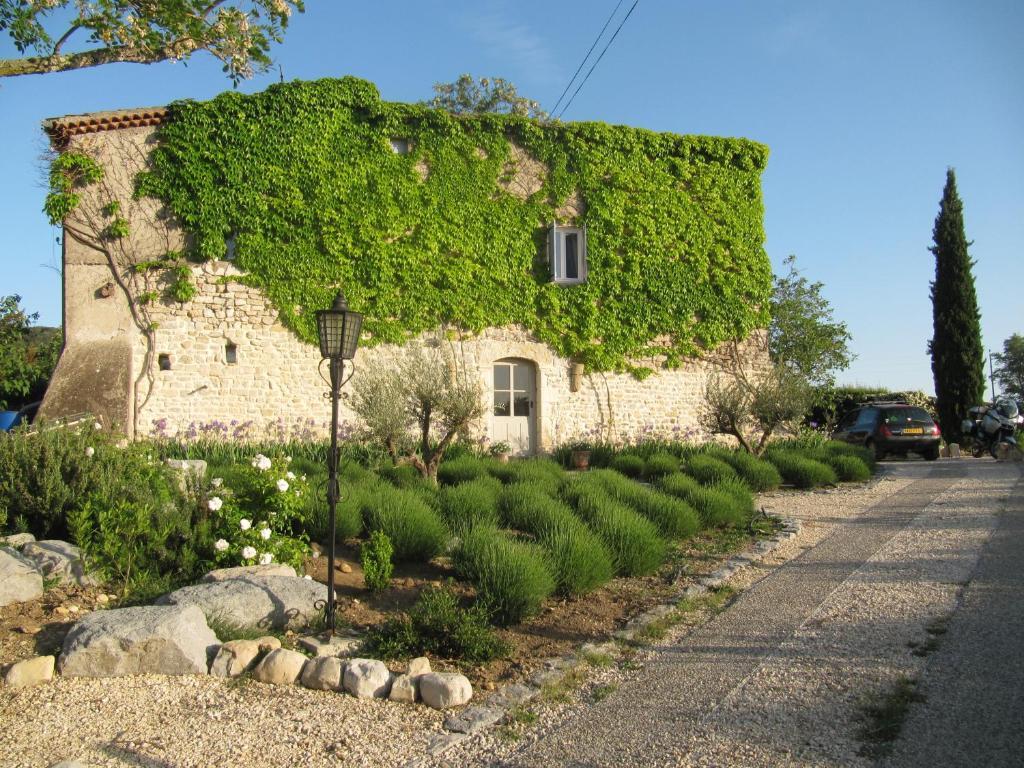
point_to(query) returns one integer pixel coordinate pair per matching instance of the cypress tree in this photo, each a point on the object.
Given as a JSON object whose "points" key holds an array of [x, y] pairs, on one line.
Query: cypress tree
{"points": [[958, 361]]}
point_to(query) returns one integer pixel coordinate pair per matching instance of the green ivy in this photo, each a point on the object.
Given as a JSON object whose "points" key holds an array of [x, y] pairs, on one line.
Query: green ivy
{"points": [[303, 177], [69, 172]]}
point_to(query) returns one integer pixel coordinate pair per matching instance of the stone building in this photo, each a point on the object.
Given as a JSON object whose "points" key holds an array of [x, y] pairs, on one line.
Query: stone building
{"points": [[225, 361]]}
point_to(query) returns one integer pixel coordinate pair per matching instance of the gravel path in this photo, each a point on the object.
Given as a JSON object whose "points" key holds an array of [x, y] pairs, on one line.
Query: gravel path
{"points": [[973, 687], [782, 676]]}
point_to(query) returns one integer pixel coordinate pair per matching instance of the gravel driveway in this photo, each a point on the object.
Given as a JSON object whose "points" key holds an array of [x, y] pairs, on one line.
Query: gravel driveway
{"points": [[780, 678], [783, 676]]}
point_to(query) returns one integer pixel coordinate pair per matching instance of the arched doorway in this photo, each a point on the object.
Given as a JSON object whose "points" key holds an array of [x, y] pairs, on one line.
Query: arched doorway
{"points": [[514, 405]]}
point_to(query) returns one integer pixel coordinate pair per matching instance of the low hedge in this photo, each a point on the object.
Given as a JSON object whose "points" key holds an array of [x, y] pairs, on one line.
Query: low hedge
{"points": [[417, 531], [674, 518], [759, 474], [708, 470], [460, 470], [633, 541], [512, 577], [717, 508], [801, 471], [467, 505]]}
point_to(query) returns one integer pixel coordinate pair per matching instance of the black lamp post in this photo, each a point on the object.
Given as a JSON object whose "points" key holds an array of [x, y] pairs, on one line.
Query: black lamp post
{"points": [[338, 330]]}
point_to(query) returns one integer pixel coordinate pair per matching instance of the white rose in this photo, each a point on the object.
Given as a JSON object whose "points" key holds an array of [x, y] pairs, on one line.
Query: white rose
{"points": [[248, 553], [217, 482], [214, 503], [263, 463], [290, 475], [288, 459], [282, 485], [245, 524], [221, 545], [90, 451], [266, 558], [97, 425], [264, 533]]}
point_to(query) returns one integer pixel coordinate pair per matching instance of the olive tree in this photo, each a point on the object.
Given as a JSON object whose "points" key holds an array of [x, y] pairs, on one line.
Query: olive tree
{"points": [[753, 407], [416, 407]]}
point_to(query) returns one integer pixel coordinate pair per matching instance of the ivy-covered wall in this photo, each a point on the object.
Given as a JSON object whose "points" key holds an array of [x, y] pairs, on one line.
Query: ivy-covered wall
{"points": [[302, 181]]}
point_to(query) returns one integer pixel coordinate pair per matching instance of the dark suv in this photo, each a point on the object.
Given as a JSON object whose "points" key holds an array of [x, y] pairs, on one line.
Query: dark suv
{"points": [[891, 428]]}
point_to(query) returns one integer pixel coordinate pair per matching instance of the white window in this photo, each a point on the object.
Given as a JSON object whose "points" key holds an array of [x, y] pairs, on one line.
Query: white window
{"points": [[567, 254]]}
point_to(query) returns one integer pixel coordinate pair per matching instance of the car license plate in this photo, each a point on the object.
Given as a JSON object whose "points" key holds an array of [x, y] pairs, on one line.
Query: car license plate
{"points": [[913, 431]]}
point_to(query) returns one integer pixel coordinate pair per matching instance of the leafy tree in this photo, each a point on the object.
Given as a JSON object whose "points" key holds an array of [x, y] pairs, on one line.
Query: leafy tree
{"points": [[958, 359], [427, 392], [467, 96], [27, 357], [1010, 371], [142, 32], [802, 334]]}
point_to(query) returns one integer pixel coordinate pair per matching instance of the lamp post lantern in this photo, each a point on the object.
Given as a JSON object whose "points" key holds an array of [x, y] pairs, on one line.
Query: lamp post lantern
{"points": [[338, 330]]}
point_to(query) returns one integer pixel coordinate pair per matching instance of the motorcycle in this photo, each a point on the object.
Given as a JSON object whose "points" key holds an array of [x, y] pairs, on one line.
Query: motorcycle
{"points": [[990, 425]]}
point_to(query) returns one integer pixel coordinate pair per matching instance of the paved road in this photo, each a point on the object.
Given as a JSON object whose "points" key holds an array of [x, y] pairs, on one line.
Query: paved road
{"points": [[973, 687], [663, 716]]}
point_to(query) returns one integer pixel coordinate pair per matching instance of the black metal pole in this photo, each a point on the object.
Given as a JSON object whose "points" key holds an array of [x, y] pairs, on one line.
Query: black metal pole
{"points": [[337, 368], [992, 377]]}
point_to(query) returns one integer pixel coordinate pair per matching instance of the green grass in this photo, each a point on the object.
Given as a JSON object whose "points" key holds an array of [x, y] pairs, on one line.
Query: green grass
{"points": [[883, 717], [602, 692]]}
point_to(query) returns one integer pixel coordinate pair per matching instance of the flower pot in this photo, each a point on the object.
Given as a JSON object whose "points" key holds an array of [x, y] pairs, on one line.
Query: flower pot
{"points": [[580, 459]]}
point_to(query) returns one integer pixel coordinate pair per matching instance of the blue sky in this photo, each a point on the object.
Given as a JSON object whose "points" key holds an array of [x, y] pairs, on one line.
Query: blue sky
{"points": [[864, 105]]}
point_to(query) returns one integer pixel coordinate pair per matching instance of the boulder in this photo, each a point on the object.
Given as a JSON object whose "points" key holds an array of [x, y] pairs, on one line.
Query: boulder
{"points": [[19, 580], [441, 690], [419, 666], [235, 657], [280, 667], [254, 602], [268, 643], [161, 640], [323, 673], [57, 559], [30, 672], [242, 571], [367, 678], [17, 540], [405, 689]]}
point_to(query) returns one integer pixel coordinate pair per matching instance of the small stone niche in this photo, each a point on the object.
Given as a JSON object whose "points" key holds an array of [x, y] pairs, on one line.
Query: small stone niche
{"points": [[231, 353], [163, 361]]}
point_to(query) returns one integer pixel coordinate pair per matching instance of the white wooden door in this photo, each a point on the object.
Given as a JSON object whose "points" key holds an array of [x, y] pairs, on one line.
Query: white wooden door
{"points": [[514, 405]]}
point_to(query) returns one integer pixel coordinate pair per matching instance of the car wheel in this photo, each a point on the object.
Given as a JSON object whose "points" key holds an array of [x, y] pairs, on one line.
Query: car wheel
{"points": [[931, 454], [871, 445], [977, 450]]}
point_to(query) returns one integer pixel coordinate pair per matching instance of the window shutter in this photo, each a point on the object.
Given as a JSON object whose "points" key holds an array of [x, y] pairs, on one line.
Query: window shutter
{"points": [[584, 260], [553, 250]]}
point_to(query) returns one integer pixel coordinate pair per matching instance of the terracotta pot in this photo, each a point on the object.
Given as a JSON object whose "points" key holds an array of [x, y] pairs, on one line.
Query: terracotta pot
{"points": [[580, 459]]}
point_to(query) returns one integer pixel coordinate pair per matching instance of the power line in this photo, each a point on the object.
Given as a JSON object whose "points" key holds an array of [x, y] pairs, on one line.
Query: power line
{"points": [[580, 67], [591, 70]]}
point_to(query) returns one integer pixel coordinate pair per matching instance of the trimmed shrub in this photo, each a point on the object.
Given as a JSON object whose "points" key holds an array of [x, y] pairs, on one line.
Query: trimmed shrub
{"points": [[849, 468], [758, 474], [416, 531], [402, 475], [501, 470], [715, 507], [708, 470], [660, 464], [578, 559], [541, 473], [439, 626], [740, 493], [633, 541], [513, 577], [800, 471], [375, 558], [866, 455], [470, 504], [674, 517], [628, 465], [460, 470], [348, 519]]}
